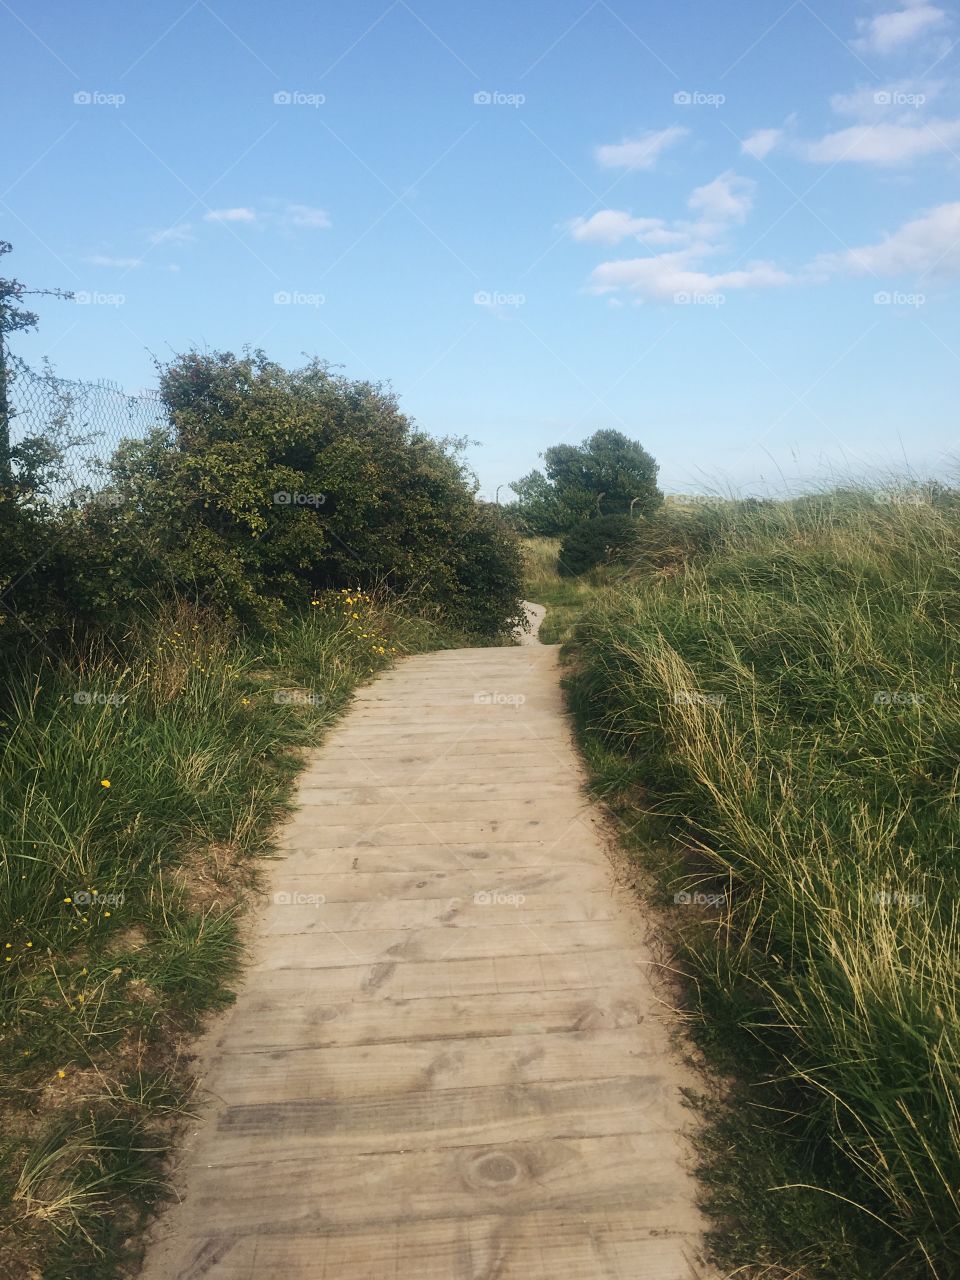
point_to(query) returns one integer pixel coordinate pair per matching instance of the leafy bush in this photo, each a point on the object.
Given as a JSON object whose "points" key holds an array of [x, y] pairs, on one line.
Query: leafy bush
{"points": [[594, 541], [267, 487], [271, 485]]}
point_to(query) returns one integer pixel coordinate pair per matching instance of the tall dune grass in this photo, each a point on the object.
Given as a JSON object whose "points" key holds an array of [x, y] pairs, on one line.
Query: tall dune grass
{"points": [[789, 705], [139, 780]]}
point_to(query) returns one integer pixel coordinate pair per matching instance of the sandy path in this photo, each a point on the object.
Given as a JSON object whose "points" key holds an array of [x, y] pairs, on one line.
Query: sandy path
{"points": [[447, 1061]]}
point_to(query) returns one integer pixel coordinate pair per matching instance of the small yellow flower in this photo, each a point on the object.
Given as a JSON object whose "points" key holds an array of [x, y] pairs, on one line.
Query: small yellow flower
{"points": [[106, 913], [61, 1074], [104, 782], [29, 944], [68, 899]]}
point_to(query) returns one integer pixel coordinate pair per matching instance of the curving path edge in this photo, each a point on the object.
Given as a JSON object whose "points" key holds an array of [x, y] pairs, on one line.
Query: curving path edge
{"points": [[447, 1060]]}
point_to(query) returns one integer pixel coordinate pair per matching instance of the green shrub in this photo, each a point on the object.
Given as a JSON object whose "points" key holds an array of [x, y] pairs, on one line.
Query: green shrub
{"points": [[266, 487], [592, 542], [271, 485]]}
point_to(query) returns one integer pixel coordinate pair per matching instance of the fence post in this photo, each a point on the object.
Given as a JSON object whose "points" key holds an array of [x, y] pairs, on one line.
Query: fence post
{"points": [[6, 469]]}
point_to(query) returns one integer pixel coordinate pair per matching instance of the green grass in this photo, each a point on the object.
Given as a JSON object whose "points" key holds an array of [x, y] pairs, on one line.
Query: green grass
{"points": [[564, 597], [119, 903], [781, 715]]}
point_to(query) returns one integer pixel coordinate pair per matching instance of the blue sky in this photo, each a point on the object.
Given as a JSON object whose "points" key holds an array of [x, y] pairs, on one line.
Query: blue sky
{"points": [[730, 230]]}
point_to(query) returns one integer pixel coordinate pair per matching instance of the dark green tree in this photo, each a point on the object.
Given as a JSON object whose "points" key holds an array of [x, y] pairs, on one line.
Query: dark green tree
{"points": [[609, 474]]}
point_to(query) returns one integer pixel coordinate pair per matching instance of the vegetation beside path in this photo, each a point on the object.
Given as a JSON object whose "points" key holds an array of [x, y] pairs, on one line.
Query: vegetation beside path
{"points": [[139, 785], [769, 696], [172, 635]]}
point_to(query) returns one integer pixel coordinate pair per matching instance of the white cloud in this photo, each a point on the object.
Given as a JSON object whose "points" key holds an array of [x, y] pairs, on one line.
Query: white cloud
{"points": [[103, 260], [181, 234], [610, 226], [728, 198], [719, 204], [888, 32], [230, 215], [878, 102], [303, 215], [930, 242], [660, 279], [884, 143], [725, 200], [642, 152], [761, 143], [279, 213]]}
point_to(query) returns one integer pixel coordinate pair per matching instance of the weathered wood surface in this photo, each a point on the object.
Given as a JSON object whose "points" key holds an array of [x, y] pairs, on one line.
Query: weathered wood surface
{"points": [[447, 1060]]}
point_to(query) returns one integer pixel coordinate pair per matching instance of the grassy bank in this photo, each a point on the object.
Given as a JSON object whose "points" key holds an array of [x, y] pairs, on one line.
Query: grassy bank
{"points": [[565, 597], [139, 784], [778, 719]]}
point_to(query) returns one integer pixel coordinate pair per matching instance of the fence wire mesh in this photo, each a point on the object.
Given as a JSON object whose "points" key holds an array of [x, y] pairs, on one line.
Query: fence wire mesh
{"points": [[85, 421]]}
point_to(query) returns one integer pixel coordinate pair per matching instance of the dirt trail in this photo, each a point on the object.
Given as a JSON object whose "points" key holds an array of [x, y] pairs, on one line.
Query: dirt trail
{"points": [[447, 1061]]}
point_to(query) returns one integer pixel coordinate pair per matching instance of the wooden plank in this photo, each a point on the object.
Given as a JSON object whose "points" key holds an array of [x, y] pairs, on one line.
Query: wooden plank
{"points": [[339, 1072], [272, 1018]]}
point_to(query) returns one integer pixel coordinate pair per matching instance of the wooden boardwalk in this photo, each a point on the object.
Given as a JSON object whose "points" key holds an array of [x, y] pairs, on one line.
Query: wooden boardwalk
{"points": [[447, 1061]]}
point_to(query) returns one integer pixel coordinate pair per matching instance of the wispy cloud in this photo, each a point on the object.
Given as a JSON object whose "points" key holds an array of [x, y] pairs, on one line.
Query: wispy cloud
{"points": [[663, 277], [761, 142], [728, 198], [884, 144], [611, 226], [691, 242], [642, 152], [241, 214], [883, 125], [927, 244], [304, 215], [104, 260], [279, 213], [890, 32], [181, 234]]}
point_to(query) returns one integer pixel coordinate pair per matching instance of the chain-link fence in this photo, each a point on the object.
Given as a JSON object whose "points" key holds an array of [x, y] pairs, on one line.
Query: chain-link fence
{"points": [[83, 421]]}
